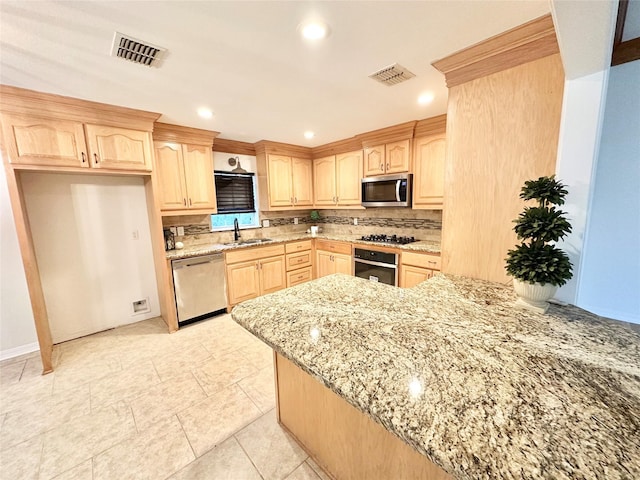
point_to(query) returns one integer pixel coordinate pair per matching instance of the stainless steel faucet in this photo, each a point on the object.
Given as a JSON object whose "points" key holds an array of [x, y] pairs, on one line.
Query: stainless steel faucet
{"points": [[236, 230]]}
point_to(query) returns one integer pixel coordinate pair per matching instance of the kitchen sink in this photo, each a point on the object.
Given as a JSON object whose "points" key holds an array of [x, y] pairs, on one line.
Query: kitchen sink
{"points": [[251, 241]]}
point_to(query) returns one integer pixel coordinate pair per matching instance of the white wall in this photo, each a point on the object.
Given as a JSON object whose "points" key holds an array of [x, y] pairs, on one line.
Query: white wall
{"points": [[221, 162], [582, 112], [17, 331], [91, 265], [609, 283]]}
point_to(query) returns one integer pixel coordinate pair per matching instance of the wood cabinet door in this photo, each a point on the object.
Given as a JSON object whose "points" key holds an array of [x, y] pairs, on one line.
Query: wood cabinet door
{"points": [[324, 181], [118, 148], [38, 141], [243, 281], [198, 175], [279, 172], [170, 175], [348, 178], [374, 161], [398, 155], [273, 276], [428, 177], [302, 181], [343, 263], [411, 276], [324, 263]]}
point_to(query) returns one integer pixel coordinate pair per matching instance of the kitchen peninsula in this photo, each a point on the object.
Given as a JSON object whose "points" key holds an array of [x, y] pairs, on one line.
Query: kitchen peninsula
{"points": [[478, 387]]}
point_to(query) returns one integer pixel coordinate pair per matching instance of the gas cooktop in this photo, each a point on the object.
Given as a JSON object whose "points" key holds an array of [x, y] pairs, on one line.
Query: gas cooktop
{"points": [[388, 239]]}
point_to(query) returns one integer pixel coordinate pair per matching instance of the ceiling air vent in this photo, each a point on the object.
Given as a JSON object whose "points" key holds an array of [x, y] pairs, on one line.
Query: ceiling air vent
{"points": [[392, 75], [136, 51]]}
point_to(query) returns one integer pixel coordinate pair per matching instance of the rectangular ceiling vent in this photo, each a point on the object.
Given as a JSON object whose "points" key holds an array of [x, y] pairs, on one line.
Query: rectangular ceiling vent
{"points": [[392, 75], [136, 51]]}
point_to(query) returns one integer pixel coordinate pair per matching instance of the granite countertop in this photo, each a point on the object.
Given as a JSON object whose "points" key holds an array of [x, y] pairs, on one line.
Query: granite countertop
{"points": [[425, 246], [483, 389]]}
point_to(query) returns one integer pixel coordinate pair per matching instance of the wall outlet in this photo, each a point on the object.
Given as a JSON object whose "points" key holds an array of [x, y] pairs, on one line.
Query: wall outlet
{"points": [[180, 231], [136, 235], [141, 306], [355, 221], [295, 220], [173, 230], [265, 223]]}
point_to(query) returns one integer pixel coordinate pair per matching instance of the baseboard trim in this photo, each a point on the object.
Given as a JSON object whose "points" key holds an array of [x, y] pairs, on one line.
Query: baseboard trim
{"points": [[17, 351]]}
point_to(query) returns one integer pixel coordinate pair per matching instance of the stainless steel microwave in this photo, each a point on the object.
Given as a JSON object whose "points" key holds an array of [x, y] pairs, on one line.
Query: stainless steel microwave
{"points": [[387, 191]]}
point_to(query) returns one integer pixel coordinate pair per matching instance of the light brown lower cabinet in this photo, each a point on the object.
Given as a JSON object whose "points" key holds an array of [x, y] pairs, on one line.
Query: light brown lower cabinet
{"points": [[340, 438], [333, 257], [417, 267], [299, 262], [253, 272]]}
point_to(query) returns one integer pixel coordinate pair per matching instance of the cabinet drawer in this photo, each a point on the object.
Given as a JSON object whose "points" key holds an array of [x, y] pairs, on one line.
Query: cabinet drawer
{"points": [[331, 246], [423, 260], [246, 254], [293, 247], [298, 260], [299, 276]]}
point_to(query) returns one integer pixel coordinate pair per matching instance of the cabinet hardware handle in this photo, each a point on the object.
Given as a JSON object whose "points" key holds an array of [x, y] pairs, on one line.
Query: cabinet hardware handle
{"points": [[257, 266], [95, 157], [296, 199], [382, 166], [388, 165], [84, 157], [432, 263], [189, 201], [184, 200]]}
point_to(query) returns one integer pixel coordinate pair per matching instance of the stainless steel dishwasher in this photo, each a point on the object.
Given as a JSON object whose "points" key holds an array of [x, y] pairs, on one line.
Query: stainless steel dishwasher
{"points": [[200, 287]]}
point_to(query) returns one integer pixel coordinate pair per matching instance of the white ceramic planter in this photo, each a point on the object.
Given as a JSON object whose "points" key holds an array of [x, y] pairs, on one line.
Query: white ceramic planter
{"points": [[534, 296]]}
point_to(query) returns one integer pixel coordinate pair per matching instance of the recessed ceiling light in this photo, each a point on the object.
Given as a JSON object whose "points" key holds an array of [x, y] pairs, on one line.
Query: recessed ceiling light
{"points": [[309, 135], [425, 98], [314, 30], [205, 112]]}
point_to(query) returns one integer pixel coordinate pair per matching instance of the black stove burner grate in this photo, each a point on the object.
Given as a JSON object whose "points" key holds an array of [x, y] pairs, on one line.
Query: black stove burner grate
{"points": [[388, 239]]}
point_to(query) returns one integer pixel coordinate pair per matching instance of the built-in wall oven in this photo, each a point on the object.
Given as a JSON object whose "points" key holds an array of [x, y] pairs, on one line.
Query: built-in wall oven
{"points": [[376, 266]]}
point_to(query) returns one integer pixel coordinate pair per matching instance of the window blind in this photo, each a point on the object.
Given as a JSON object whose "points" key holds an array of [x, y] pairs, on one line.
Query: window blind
{"points": [[234, 192]]}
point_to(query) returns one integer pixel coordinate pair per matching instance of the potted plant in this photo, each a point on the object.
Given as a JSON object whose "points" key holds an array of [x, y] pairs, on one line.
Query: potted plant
{"points": [[537, 266], [315, 218]]}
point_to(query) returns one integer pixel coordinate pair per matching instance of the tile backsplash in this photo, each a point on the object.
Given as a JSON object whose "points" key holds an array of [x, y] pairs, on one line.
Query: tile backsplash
{"points": [[422, 224]]}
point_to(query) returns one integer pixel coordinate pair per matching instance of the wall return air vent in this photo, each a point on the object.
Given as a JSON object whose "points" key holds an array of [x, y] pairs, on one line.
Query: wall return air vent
{"points": [[136, 51], [392, 75]]}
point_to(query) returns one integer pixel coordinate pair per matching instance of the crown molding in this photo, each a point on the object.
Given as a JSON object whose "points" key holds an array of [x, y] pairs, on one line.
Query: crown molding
{"points": [[233, 146], [523, 44], [21, 101], [165, 132], [267, 146]]}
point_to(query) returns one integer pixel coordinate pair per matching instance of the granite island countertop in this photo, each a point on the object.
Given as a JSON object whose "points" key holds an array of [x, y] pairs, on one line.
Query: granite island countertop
{"points": [[481, 388], [424, 246]]}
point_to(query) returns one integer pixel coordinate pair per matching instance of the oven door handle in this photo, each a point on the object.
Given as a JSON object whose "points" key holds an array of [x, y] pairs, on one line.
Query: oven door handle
{"points": [[377, 264], [398, 182]]}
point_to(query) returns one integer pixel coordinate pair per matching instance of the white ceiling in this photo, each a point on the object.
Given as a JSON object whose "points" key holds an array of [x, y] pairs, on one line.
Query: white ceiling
{"points": [[247, 62]]}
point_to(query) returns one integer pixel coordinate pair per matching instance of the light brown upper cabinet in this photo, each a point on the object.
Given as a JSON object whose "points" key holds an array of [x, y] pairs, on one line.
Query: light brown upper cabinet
{"points": [[387, 158], [184, 169], [118, 148], [337, 179], [428, 168], [285, 176], [185, 176], [37, 141], [290, 181]]}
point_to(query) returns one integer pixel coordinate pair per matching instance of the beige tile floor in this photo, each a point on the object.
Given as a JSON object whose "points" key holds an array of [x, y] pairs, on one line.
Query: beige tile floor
{"points": [[137, 403]]}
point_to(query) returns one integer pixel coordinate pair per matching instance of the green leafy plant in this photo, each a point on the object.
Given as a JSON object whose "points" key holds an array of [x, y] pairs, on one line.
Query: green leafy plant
{"points": [[535, 260], [315, 216]]}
